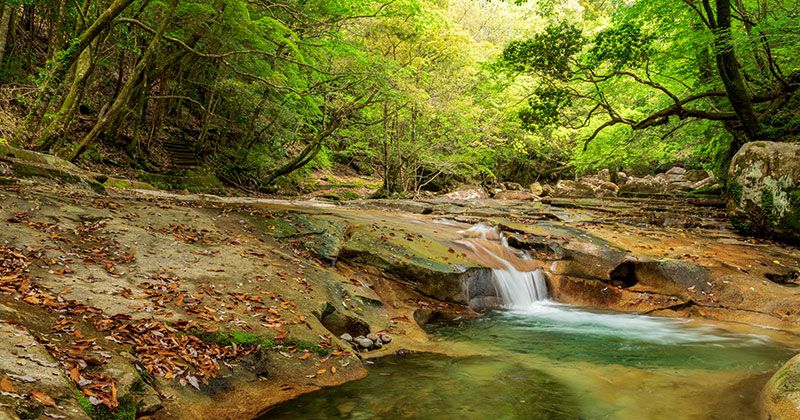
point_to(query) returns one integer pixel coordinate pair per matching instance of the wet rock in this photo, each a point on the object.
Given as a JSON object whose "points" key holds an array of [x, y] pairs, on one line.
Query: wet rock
{"points": [[764, 190], [363, 342], [386, 338], [373, 337], [674, 277], [339, 323], [346, 337], [780, 398], [515, 195], [346, 408]]}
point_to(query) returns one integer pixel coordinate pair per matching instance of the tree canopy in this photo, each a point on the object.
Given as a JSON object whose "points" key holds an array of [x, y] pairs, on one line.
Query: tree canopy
{"points": [[422, 93]]}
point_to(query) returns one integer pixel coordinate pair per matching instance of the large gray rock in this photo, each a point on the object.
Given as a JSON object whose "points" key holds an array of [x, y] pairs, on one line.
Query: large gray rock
{"points": [[780, 398], [646, 185], [569, 188], [467, 192], [764, 190]]}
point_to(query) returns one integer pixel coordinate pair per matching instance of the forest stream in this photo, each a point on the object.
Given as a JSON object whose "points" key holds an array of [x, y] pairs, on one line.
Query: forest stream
{"points": [[199, 306], [545, 360], [551, 361]]}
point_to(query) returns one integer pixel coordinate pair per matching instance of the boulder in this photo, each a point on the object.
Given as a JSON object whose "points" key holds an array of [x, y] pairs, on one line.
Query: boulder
{"points": [[515, 195], [676, 171], [363, 342], [764, 190], [536, 189], [547, 190], [467, 192], [780, 399], [622, 177], [609, 186], [696, 175], [513, 186], [646, 185], [568, 188]]}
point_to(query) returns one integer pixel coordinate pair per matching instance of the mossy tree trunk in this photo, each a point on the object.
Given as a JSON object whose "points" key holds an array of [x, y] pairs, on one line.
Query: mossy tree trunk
{"points": [[117, 108], [66, 60]]}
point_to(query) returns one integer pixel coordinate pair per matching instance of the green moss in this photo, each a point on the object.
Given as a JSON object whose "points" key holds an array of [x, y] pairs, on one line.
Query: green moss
{"points": [[84, 403], [240, 338], [744, 226], [125, 184], [243, 338], [349, 195], [735, 191], [305, 345], [126, 410], [768, 206], [794, 199]]}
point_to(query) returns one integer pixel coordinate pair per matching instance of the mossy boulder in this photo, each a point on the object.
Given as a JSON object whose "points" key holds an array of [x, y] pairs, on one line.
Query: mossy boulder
{"points": [[781, 396], [764, 190]]}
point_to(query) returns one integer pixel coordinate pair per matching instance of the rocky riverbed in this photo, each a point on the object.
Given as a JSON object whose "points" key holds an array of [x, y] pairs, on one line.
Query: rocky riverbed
{"points": [[181, 306]]}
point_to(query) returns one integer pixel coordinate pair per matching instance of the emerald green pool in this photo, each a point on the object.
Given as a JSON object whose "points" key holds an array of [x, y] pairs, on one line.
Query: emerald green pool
{"points": [[558, 362]]}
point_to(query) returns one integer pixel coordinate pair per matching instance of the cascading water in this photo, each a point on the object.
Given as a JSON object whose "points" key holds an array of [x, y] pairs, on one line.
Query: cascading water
{"points": [[518, 284]]}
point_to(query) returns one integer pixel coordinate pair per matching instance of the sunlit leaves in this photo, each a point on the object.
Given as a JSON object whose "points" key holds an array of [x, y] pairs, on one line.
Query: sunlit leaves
{"points": [[622, 46], [548, 53]]}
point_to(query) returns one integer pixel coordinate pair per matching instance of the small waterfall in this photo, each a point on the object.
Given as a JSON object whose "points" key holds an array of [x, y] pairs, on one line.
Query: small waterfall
{"points": [[518, 282], [520, 289]]}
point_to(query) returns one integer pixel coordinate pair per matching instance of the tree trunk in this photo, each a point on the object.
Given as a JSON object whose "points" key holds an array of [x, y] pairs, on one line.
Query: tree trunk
{"points": [[70, 56], [731, 75], [5, 27], [117, 108], [56, 129]]}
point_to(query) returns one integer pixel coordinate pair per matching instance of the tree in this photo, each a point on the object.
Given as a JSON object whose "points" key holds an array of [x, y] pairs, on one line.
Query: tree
{"points": [[647, 70]]}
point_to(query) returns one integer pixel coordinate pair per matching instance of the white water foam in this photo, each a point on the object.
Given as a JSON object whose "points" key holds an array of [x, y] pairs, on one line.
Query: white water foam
{"points": [[517, 289], [525, 294]]}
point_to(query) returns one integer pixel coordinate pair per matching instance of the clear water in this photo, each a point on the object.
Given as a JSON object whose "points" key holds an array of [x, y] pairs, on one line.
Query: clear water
{"points": [[551, 361]]}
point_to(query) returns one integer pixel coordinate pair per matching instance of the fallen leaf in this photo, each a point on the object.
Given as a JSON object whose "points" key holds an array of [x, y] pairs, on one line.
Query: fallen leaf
{"points": [[6, 385], [43, 398]]}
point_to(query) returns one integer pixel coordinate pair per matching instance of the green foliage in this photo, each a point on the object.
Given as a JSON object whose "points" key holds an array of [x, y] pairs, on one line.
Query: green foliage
{"points": [[548, 53], [622, 46]]}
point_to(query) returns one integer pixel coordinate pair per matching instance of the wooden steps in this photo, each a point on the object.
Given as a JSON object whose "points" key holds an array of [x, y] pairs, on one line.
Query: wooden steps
{"points": [[182, 154]]}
